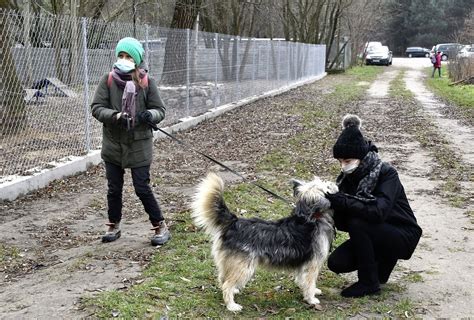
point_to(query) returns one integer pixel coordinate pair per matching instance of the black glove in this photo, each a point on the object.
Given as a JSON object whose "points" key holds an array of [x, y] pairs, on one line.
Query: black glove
{"points": [[338, 200], [146, 117]]}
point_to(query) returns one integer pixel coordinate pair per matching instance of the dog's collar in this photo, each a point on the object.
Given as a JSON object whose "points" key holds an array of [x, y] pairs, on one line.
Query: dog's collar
{"points": [[317, 215]]}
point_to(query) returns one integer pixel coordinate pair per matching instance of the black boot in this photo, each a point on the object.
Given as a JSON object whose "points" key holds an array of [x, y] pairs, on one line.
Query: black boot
{"points": [[385, 268], [368, 283], [113, 232]]}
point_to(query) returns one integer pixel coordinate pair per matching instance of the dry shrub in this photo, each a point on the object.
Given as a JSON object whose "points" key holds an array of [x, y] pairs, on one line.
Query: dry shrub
{"points": [[461, 68]]}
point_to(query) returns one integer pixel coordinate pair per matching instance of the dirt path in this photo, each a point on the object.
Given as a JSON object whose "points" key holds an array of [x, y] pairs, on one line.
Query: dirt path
{"points": [[445, 253], [54, 234], [447, 250]]}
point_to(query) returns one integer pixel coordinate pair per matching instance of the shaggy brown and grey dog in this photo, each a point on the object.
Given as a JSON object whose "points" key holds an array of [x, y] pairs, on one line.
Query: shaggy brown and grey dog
{"points": [[299, 242]]}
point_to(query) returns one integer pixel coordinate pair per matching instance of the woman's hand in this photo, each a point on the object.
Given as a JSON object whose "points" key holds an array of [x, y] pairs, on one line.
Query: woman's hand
{"points": [[147, 118], [122, 119], [338, 200]]}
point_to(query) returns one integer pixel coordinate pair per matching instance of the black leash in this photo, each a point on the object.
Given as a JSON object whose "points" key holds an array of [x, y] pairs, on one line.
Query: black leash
{"points": [[220, 164]]}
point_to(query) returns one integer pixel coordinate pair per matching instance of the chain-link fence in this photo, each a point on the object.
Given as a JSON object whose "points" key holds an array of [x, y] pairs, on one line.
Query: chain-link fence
{"points": [[51, 66], [340, 55]]}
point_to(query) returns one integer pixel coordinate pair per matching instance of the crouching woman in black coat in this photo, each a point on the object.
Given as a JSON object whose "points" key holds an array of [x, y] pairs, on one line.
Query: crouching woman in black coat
{"points": [[372, 207]]}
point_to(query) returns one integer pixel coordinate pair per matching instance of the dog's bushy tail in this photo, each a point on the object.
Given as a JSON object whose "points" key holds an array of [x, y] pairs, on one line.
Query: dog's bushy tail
{"points": [[209, 210]]}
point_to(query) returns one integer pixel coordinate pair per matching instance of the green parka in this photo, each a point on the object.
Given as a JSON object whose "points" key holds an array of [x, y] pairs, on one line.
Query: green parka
{"points": [[133, 148]]}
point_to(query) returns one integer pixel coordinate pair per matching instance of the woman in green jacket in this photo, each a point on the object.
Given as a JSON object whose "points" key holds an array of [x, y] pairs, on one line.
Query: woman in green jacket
{"points": [[128, 104]]}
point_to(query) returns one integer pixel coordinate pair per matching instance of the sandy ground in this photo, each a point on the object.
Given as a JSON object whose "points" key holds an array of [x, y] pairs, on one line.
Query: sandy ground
{"points": [[57, 230], [445, 253]]}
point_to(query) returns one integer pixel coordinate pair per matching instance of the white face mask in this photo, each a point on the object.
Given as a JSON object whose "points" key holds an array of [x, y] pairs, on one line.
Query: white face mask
{"points": [[125, 65], [350, 167]]}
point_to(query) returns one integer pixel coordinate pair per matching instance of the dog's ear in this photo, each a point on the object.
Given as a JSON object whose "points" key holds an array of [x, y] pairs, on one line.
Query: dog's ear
{"points": [[296, 184]]}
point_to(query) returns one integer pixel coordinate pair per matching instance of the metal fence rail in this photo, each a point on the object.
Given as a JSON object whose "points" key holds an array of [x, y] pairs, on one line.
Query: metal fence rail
{"points": [[51, 66]]}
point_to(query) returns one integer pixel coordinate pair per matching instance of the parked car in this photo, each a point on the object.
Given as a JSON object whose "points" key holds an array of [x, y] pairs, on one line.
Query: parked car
{"points": [[372, 44], [379, 55], [368, 46], [447, 49], [466, 52], [417, 52]]}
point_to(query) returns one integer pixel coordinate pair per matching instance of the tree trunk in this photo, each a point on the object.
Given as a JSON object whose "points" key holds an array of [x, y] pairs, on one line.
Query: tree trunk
{"points": [[12, 103], [96, 27], [248, 45], [57, 38], [174, 69], [223, 47], [73, 47]]}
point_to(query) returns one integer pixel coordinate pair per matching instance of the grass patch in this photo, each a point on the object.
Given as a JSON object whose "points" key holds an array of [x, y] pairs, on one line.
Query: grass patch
{"points": [[181, 279], [97, 203], [13, 262], [404, 307], [398, 87], [81, 263], [364, 73], [8, 255], [181, 282], [460, 95], [413, 277]]}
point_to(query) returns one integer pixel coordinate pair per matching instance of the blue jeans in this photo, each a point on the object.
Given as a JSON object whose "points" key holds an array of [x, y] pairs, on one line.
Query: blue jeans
{"points": [[141, 183]]}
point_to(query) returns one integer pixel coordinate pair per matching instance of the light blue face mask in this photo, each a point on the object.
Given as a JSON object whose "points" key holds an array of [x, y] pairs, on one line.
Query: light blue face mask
{"points": [[350, 167], [124, 65]]}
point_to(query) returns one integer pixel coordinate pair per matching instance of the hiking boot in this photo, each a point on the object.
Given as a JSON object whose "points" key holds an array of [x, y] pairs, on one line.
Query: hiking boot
{"points": [[368, 283], [113, 233], [162, 234], [359, 289]]}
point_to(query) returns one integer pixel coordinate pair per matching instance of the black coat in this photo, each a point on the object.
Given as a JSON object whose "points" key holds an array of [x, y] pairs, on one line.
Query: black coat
{"points": [[391, 206]]}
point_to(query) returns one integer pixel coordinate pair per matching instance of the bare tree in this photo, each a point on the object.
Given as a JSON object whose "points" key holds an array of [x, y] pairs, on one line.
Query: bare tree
{"points": [[184, 15], [301, 19], [237, 18], [361, 20], [73, 47], [98, 26], [466, 35], [57, 8], [12, 104], [313, 21]]}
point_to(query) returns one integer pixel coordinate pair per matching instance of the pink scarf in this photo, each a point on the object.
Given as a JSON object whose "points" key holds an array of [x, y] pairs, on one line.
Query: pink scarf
{"points": [[130, 90]]}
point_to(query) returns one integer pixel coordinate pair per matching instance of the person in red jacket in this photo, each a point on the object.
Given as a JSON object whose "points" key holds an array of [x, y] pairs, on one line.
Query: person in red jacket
{"points": [[372, 207], [436, 60]]}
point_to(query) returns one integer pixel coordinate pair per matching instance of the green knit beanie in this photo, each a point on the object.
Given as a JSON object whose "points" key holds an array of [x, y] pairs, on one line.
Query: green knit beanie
{"points": [[131, 46]]}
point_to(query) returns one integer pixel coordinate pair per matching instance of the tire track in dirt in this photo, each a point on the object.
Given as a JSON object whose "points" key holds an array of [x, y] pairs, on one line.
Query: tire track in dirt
{"points": [[445, 253], [461, 136]]}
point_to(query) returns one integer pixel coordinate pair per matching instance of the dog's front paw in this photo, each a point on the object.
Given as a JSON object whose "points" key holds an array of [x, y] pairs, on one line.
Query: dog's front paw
{"points": [[313, 301], [318, 292], [234, 307]]}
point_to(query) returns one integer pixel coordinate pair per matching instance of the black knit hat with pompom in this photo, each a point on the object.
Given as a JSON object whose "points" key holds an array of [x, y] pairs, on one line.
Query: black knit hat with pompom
{"points": [[351, 144]]}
